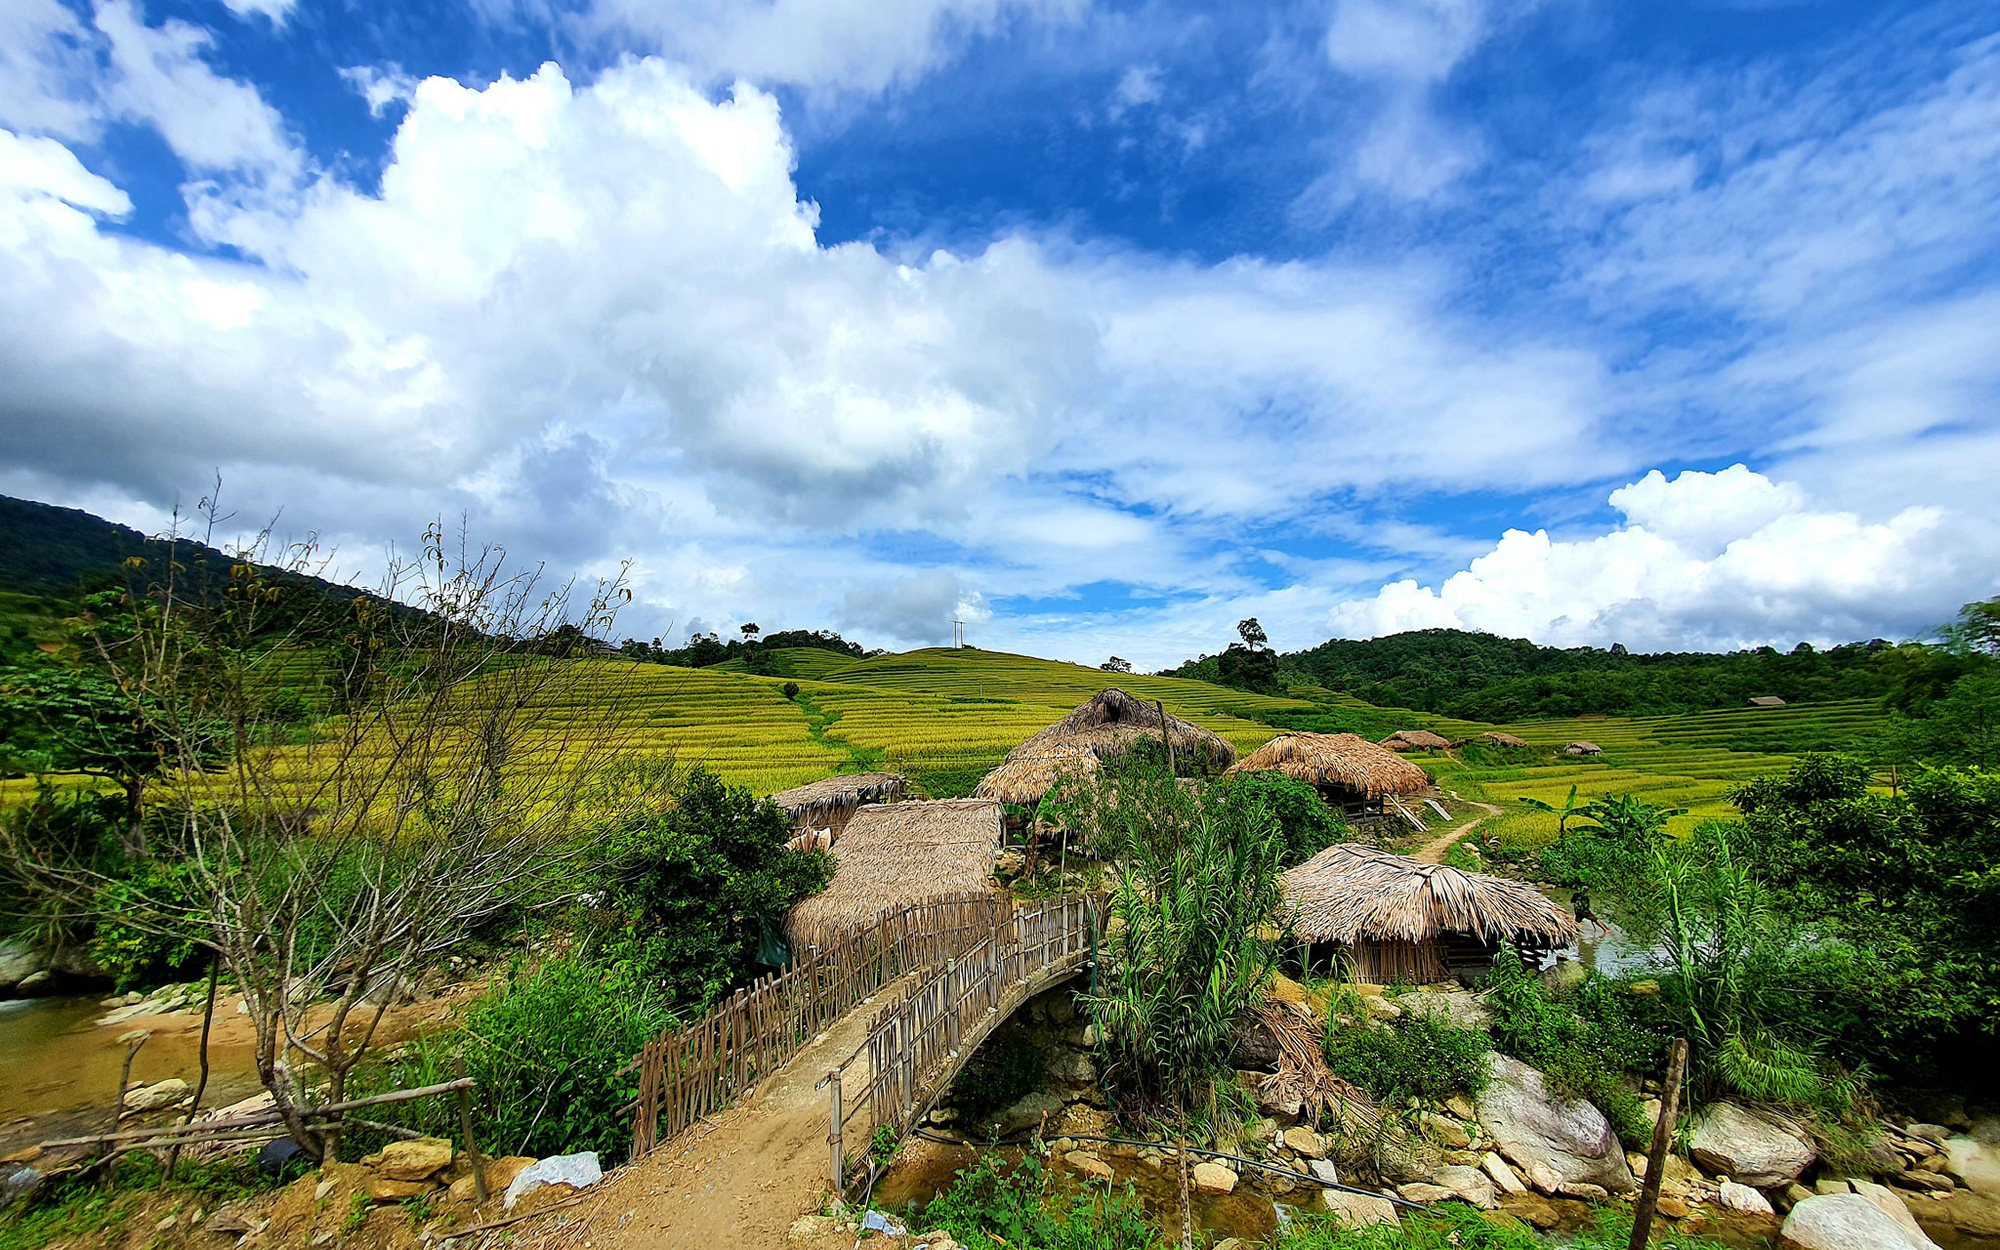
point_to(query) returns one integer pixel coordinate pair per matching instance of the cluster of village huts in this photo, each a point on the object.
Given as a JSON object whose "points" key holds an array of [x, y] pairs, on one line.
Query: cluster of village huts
{"points": [[1389, 917]]}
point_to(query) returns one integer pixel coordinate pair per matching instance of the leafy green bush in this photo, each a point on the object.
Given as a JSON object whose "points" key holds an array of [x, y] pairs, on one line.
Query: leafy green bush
{"points": [[542, 1047], [1420, 1056], [1024, 1210], [691, 883], [1004, 1071], [139, 954], [1306, 824]]}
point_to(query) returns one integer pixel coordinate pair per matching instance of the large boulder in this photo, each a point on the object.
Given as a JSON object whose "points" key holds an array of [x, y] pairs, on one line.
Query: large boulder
{"points": [[1212, 1178], [1028, 1112], [19, 960], [1553, 1141], [1847, 1222], [153, 1097], [1974, 1163], [414, 1160], [1749, 1147], [1359, 1210]]}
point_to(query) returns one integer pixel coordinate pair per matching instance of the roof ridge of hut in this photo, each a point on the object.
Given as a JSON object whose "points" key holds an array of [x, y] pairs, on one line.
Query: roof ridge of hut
{"points": [[1354, 892], [1105, 726], [1340, 759]]}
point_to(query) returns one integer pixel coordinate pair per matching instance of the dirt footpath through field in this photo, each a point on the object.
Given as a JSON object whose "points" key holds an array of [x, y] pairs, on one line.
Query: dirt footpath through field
{"points": [[1434, 851], [735, 1182]]}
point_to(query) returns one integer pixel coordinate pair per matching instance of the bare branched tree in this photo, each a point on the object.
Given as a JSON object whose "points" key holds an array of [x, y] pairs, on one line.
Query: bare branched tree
{"points": [[452, 777]]}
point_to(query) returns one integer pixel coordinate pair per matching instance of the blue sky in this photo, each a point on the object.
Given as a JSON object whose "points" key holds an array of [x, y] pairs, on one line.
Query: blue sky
{"points": [[1098, 326]]}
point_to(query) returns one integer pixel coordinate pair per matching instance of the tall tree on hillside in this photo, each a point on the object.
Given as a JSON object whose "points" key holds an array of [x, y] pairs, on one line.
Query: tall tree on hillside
{"points": [[750, 631], [1251, 632], [1116, 664]]}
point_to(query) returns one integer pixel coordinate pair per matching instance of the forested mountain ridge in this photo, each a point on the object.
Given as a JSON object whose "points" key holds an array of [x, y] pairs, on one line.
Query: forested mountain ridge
{"points": [[1479, 676]]}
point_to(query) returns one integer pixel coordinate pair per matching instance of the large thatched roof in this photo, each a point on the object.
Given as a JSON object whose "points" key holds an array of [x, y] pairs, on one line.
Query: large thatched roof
{"points": [[821, 802], [1582, 747], [1415, 740], [1500, 738], [1349, 761], [892, 854], [1355, 893], [1108, 726]]}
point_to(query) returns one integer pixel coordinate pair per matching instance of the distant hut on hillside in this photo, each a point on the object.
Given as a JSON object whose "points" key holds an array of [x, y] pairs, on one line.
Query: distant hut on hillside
{"points": [[1350, 772], [1499, 739], [824, 807], [894, 854], [1415, 740], [1111, 724], [1398, 918], [1766, 700], [1580, 747]]}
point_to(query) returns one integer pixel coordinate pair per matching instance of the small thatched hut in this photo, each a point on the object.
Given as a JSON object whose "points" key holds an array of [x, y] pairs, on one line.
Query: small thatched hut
{"points": [[1580, 747], [1108, 726], [1500, 739], [1415, 740], [825, 806], [1395, 917], [1350, 772], [893, 854], [1766, 700]]}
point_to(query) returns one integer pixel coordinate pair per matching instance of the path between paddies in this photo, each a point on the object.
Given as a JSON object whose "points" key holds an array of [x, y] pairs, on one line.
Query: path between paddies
{"points": [[738, 1179], [1433, 851]]}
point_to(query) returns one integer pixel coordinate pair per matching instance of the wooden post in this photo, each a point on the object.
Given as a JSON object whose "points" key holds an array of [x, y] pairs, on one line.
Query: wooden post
{"points": [[471, 1142], [1663, 1132], [1166, 735], [833, 1137]]}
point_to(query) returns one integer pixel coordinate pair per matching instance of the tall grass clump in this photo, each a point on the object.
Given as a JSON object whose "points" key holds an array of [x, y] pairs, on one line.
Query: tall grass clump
{"points": [[1422, 1057]]}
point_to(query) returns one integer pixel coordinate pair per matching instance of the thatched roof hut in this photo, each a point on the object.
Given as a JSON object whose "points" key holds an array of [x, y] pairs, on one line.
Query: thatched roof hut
{"points": [[1415, 740], [1499, 739], [829, 803], [1347, 768], [1399, 917], [1580, 747], [1108, 726], [893, 854], [1766, 700]]}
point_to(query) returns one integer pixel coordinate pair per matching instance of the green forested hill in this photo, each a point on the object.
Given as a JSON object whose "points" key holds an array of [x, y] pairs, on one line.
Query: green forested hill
{"points": [[1482, 677]]}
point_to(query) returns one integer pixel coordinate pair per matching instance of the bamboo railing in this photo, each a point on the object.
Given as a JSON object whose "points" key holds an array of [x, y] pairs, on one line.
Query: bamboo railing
{"points": [[916, 1044], [694, 1071]]}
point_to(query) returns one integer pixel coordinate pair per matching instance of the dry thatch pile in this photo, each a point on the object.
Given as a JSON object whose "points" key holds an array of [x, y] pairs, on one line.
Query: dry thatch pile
{"points": [[1343, 761], [1499, 739], [1415, 740], [1106, 727], [829, 803], [1392, 912], [893, 854]]}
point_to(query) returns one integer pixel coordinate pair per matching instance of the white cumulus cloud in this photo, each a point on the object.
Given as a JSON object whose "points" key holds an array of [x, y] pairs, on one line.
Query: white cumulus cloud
{"points": [[1728, 559]]}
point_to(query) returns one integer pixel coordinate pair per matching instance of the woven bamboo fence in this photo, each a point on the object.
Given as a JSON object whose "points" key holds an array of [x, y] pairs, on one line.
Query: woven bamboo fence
{"points": [[696, 1070], [916, 1044]]}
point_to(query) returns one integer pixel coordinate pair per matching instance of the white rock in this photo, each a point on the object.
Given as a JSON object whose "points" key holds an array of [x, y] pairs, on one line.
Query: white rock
{"points": [[578, 1170], [1890, 1204], [1554, 1141], [1503, 1176], [1973, 1164], [1743, 1198], [1359, 1210], [154, 1097], [1750, 1147], [1847, 1222]]}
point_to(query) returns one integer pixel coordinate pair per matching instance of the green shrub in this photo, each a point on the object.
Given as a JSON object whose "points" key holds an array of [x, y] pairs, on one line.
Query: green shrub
{"points": [[1022, 1209], [135, 954], [1459, 1228], [543, 1048], [691, 883], [1306, 824], [1420, 1056]]}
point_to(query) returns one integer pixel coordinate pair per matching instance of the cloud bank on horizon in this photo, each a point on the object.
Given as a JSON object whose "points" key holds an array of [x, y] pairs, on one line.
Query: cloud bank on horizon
{"points": [[1097, 328]]}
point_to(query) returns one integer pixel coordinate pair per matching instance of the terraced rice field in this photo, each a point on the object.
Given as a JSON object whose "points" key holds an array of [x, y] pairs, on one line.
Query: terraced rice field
{"points": [[1689, 761], [946, 716]]}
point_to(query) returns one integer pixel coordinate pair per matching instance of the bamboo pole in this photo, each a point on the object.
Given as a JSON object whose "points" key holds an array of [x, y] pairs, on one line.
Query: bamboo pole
{"points": [[207, 1019], [1656, 1158], [471, 1143]]}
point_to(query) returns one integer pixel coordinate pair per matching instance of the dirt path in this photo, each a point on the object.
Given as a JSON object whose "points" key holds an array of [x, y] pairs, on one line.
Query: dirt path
{"points": [[737, 1181], [1433, 851]]}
